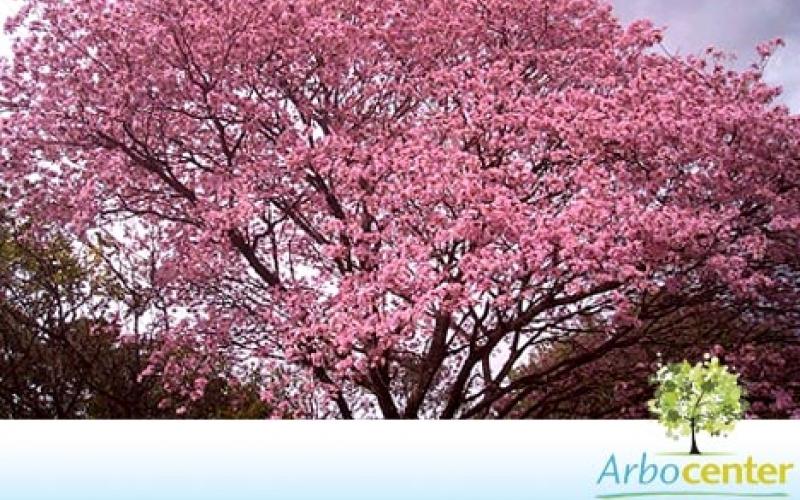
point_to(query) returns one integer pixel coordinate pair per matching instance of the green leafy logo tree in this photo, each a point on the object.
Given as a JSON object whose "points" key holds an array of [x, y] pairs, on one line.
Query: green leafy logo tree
{"points": [[704, 397]]}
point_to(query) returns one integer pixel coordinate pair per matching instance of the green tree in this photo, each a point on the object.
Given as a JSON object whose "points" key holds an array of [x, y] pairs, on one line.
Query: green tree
{"points": [[704, 397], [60, 356]]}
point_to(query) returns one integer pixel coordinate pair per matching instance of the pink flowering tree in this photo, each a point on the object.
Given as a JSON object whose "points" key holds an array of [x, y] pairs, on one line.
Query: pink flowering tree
{"points": [[389, 206], [764, 353]]}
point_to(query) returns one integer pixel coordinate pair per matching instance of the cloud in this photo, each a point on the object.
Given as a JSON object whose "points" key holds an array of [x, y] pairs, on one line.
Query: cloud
{"points": [[735, 26]]}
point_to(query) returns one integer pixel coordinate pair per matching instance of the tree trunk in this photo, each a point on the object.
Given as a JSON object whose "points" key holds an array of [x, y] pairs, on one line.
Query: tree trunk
{"points": [[694, 450]]}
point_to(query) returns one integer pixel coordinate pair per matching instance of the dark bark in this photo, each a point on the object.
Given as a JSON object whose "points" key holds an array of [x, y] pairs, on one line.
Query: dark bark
{"points": [[695, 450]]}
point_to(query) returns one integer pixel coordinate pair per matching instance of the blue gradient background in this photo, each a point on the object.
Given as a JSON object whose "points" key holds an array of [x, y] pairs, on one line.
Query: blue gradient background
{"points": [[353, 460]]}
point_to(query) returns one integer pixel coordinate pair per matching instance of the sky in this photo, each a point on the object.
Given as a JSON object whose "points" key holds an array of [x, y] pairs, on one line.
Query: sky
{"points": [[7, 8], [735, 26]]}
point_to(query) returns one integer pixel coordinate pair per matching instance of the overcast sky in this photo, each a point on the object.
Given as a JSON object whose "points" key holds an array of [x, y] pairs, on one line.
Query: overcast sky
{"points": [[731, 25], [7, 7], [692, 25]]}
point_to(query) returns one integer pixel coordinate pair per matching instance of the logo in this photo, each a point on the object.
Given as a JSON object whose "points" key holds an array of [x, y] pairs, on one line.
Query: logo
{"points": [[694, 477], [704, 397], [691, 399]]}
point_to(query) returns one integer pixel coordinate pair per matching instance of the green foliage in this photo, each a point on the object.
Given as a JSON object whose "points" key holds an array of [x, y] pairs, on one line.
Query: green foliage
{"points": [[704, 397], [60, 357]]}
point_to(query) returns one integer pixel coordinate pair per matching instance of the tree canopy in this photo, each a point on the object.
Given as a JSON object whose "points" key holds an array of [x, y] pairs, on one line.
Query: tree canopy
{"points": [[390, 206]]}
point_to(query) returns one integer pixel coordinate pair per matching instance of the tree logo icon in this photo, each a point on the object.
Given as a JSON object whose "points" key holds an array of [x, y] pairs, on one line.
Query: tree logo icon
{"points": [[704, 397]]}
